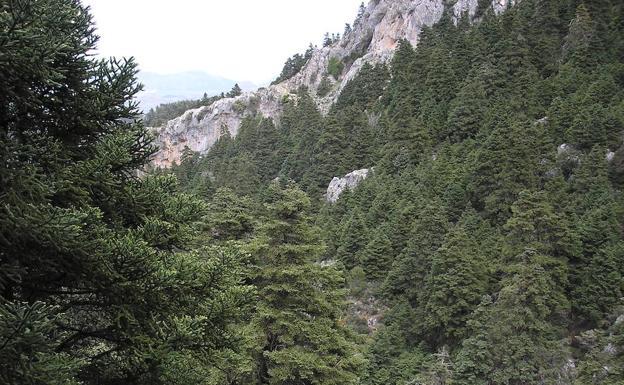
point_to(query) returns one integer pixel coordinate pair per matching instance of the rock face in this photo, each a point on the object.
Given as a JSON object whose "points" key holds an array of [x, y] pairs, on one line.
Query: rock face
{"points": [[338, 185], [373, 39], [199, 129]]}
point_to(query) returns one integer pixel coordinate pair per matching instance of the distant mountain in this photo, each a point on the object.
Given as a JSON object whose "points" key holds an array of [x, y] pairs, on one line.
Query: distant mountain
{"points": [[166, 88]]}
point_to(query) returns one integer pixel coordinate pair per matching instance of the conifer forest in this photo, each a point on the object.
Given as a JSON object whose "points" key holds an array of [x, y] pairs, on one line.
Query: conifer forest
{"points": [[484, 247]]}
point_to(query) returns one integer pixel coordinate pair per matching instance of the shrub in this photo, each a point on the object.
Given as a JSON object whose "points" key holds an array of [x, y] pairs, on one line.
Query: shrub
{"points": [[324, 87], [335, 67]]}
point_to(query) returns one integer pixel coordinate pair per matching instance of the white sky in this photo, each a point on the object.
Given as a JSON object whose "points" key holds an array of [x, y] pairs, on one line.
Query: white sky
{"points": [[237, 39]]}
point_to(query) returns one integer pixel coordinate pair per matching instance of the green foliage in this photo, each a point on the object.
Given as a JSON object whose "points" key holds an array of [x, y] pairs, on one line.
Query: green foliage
{"points": [[324, 87], [30, 335], [294, 64], [352, 240], [335, 67], [480, 251], [230, 216], [365, 89], [492, 244], [94, 285], [234, 92], [377, 256], [298, 314], [457, 280], [516, 338]]}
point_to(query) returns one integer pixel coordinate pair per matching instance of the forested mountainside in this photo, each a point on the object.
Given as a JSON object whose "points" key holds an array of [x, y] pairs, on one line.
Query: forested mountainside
{"points": [[490, 234], [325, 71], [484, 245]]}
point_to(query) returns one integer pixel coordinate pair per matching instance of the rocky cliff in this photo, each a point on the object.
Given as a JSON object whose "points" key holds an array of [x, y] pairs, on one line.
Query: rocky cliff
{"points": [[350, 181], [373, 39]]}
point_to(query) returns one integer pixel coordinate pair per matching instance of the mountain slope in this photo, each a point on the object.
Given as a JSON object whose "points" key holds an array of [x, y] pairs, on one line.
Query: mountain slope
{"points": [[487, 245], [373, 39]]}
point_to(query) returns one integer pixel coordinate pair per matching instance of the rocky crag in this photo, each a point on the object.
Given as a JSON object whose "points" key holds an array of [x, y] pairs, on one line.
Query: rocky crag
{"points": [[350, 181], [373, 39]]}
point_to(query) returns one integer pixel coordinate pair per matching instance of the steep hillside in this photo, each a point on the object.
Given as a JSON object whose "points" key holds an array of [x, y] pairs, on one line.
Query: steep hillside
{"points": [[472, 232], [373, 39], [487, 245]]}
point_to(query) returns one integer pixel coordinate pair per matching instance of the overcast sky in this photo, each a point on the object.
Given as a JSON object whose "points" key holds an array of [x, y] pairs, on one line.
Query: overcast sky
{"points": [[237, 39]]}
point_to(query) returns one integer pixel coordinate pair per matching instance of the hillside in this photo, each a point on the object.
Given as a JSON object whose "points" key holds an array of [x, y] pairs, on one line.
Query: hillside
{"points": [[486, 246], [447, 211], [372, 39]]}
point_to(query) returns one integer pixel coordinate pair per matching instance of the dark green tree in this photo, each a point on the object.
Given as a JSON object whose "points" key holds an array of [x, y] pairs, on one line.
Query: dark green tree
{"points": [[458, 278], [95, 285], [298, 315], [377, 256], [352, 240], [516, 335], [234, 92]]}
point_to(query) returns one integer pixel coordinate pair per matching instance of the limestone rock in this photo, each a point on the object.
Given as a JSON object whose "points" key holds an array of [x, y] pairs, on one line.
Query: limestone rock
{"points": [[564, 148], [199, 129], [610, 155], [338, 185], [373, 39]]}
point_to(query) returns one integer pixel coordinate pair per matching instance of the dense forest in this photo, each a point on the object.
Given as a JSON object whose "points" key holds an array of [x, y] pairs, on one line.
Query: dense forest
{"points": [[486, 248]]}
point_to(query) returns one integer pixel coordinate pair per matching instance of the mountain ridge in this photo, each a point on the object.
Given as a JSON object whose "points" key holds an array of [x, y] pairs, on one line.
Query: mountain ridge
{"points": [[162, 88], [373, 39]]}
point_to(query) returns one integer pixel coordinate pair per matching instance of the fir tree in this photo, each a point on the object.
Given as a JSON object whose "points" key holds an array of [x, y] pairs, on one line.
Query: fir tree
{"points": [[301, 300], [516, 337], [94, 286], [234, 92]]}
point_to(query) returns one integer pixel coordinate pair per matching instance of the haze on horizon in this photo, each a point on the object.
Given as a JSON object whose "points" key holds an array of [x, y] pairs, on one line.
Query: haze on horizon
{"points": [[243, 40]]}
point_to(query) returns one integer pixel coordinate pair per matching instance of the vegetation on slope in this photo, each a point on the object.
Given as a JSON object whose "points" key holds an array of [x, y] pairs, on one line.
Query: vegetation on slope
{"points": [[492, 228], [163, 113], [494, 252]]}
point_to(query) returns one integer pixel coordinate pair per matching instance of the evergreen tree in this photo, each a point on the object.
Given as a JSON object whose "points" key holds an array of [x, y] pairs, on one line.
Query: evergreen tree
{"points": [[579, 37], [234, 92], [512, 159], [377, 256], [229, 216], [455, 284], [94, 285], [535, 224], [516, 337], [300, 300], [352, 240], [599, 287], [467, 110]]}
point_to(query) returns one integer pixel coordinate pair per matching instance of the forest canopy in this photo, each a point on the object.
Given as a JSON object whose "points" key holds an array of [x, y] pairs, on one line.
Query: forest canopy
{"points": [[485, 247]]}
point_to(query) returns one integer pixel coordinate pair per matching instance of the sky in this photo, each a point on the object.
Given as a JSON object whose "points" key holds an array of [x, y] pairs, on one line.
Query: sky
{"points": [[243, 40]]}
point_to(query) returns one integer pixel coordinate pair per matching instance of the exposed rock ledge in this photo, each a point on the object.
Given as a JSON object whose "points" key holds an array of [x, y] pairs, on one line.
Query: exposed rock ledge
{"points": [[373, 39], [338, 185]]}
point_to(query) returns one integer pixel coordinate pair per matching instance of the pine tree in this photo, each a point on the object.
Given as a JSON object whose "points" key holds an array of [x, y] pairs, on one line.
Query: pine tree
{"points": [[229, 216], [457, 280], [352, 240], [300, 300], [467, 110], [515, 337], [377, 257], [409, 273], [535, 224], [599, 287], [234, 92], [578, 40], [94, 285], [512, 159]]}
